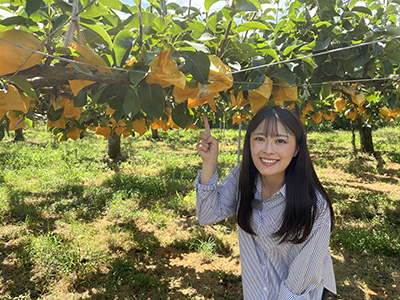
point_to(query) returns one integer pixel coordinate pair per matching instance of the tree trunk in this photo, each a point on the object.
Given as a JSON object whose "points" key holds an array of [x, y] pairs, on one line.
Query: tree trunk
{"points": [[19, 135], [154, 134], [114, 146], [367, 145], [366, 142], [353, 138]]}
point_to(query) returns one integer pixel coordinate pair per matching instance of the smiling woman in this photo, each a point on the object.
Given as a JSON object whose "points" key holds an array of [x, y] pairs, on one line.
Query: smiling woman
{"points": [[285, 216], [272, 148]]}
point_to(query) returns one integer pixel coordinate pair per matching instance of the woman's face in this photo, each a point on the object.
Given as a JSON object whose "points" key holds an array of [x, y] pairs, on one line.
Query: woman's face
{"points": [[272, 150]]}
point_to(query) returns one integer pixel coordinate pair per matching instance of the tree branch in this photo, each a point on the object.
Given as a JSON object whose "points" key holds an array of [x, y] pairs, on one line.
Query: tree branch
{"points": [[48, 76]]}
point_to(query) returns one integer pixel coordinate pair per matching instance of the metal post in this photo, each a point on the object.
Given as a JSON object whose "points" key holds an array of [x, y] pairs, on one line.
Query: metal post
{"points": [[238, 149]]}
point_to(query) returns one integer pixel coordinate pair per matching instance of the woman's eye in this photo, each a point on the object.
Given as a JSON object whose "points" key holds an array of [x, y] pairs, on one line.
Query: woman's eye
{"points": [[259, 138], [280, 141]]}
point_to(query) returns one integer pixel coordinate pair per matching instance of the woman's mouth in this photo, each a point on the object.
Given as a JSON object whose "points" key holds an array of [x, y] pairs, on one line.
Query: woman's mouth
{"points": [[268, 161]]}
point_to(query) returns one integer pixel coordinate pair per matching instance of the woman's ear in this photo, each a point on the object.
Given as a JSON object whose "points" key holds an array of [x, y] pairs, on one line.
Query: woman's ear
{"points": [[296, 151]]}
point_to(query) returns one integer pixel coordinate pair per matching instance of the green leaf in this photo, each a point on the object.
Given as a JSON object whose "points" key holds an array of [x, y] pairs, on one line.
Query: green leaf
{"points": [[198, 47], [388, 67], [64, 6], [228, 13], [117, 103], [198, 64], [151, 98], [147, 19], [24, 84], [196, 27], [114, 4], [316, 85], [82, 69], [54, 115], [104, 95], [280, 25], [325, 91], [33, 6], [323, 23], [208, 3], [256, 3], [393, 30], [212, 23], [100, 32], [377, 49], [321, 43], [255, 80], [13, 21], [271, 52], [94, 11], [131, 104], [81, 99], [290, 49], [285, 74], [252, 25], [392, 101], [181, 115], [139, 75], [329, 68], [160, 24], [299, 72], [123, 43], [308, 60], [362, 9], [244, 5], [392, 46], [395, 56], [207, 37], [121, 90]]}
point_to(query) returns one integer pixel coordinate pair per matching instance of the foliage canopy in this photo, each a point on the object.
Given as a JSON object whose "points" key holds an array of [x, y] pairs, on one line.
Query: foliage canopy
{"points": [[162, 65]]}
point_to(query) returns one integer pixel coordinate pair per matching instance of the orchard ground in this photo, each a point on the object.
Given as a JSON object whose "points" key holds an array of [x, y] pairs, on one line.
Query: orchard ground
{"points": [[76, 225]]}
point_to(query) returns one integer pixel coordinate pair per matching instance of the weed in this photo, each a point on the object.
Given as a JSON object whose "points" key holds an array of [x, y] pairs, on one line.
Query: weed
{"points": [[54, 257], [145, 186], [207, 249], [160, 216]]}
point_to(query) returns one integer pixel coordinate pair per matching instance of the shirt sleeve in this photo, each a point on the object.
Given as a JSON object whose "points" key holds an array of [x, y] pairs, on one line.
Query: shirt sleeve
{"points": [[305, 275], [215, 202]]}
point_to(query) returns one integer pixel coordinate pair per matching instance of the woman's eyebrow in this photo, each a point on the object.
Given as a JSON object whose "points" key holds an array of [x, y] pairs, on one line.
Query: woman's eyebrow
{"points": [[274, 135]]}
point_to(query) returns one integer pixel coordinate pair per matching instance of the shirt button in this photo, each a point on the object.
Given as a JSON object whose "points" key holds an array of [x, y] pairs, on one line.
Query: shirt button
{"points": [[265, 289]]}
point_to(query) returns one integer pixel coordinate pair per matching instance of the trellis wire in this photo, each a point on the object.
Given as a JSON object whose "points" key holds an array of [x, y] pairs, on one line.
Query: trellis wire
{"points": [[211, 78]]}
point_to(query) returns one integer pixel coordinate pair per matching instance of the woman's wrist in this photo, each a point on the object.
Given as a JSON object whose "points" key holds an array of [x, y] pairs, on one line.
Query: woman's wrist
{"points": [[207, 171]]}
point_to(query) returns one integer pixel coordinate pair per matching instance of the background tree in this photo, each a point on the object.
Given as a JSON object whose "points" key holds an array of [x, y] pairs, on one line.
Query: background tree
{"points": [[115, 68]]}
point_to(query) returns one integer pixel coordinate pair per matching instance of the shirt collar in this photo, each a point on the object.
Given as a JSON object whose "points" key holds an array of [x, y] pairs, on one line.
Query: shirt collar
{"points": [[282, 190]]}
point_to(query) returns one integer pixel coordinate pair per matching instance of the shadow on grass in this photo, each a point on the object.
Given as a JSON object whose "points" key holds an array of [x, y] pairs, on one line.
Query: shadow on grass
{"points": [[393, 214], [33, 208], [147, 271], [16, 276], [359, 282]]}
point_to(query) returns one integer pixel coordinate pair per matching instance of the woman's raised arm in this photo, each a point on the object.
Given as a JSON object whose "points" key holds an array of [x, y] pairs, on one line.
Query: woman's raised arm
{"points": [[208, 150]]}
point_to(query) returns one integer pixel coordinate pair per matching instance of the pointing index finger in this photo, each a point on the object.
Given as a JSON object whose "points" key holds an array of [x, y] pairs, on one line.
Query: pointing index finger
{"points": [[207, 126]]}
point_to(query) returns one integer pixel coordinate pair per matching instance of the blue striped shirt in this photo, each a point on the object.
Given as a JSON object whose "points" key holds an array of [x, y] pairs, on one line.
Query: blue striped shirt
{"points": [[271, 270]]}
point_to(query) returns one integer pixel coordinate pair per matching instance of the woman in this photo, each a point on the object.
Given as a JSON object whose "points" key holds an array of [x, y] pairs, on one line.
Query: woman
{"points": [[285, 216]]}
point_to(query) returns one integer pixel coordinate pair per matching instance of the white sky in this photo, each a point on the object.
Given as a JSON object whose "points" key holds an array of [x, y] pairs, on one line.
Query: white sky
{"points": [[195, 3]]}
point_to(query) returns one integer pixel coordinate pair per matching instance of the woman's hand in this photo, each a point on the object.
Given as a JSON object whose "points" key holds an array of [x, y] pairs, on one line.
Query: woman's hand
{"points": [[208, 149]]}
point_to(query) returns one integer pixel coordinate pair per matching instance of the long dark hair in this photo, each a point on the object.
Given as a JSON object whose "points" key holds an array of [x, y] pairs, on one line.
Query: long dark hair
{"points": [[302, 183]]}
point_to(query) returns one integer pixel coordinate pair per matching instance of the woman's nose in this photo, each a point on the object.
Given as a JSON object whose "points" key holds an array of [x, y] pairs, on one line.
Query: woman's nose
{"points": [[269, 147]]}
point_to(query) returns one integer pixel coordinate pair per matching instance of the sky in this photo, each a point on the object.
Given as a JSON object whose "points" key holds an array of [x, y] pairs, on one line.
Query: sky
{"points": [[195, 3]]}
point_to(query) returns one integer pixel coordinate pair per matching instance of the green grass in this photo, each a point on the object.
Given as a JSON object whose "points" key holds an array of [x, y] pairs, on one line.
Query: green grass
{"points": [[75, 225]]}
